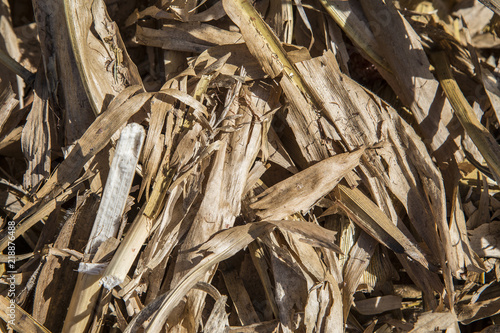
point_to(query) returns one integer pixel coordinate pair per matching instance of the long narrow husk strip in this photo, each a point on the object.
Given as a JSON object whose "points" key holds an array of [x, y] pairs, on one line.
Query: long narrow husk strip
{"points": [[356, 29], [372, 219], [481, 137]]}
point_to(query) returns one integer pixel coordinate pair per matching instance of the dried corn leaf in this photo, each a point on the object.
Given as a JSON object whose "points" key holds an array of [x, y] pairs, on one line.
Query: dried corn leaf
{"points": [[184, 8], [481, 137], [101, 57], [321, 305], [10, 140], [8, 102], [153, 147], [187, 37], [265, 46], [11, 199], [411, 78], [277, 152], [210, 210], [12, 123], [313, 234], [10, 44], [219, 133], [359, 259], [19, 319], [372, 220], [434, 321], [322, 285], [290, 285], [280, 17], [218, 319], [484, 240], [349, 16], [188, 148], [58, 275], [105, 227], [492, 86], [494, 5], [257, 254], [94, 139], [240, 297], [304, 189], [152, 11], [60, 65], [36, 137], [478, 310], [240, 56], [477, 16], [263, 43], [215, 12], [36, 213], [199, 111], [460, 236], [303, 121]]}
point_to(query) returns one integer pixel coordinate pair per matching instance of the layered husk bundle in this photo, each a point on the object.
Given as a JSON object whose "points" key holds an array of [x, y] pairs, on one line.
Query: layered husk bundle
{"points": [[249, 166]]}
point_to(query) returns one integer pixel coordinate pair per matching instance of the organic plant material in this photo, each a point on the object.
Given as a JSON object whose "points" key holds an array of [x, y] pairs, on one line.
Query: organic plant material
{"points": [[249, 166]]}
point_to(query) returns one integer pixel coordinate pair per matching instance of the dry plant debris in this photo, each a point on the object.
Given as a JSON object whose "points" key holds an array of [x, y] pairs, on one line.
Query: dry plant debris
{"points": [[249, 166]]}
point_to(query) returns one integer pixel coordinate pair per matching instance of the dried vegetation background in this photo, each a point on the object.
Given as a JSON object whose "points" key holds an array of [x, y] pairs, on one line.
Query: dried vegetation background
{"points": [[250, 166]]}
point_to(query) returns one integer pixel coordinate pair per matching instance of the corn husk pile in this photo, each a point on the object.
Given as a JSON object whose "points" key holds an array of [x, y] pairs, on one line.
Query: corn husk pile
{"points": [[250, 166]]}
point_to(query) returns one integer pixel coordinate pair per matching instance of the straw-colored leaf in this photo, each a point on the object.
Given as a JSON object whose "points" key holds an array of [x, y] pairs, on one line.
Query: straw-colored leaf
{"points": [[36, 139], [358, 260], [398, 169], [478, 310], [492, 86], [58, 276], [302, 190], [60, 65], [372, 220], [481, 137], [9, 44], [223, 245], [227, 180], [188, 37], [411, 78], [102, 59], [494, 5], [7, 104], [434, 321], [19, 319], [349, 16]]}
